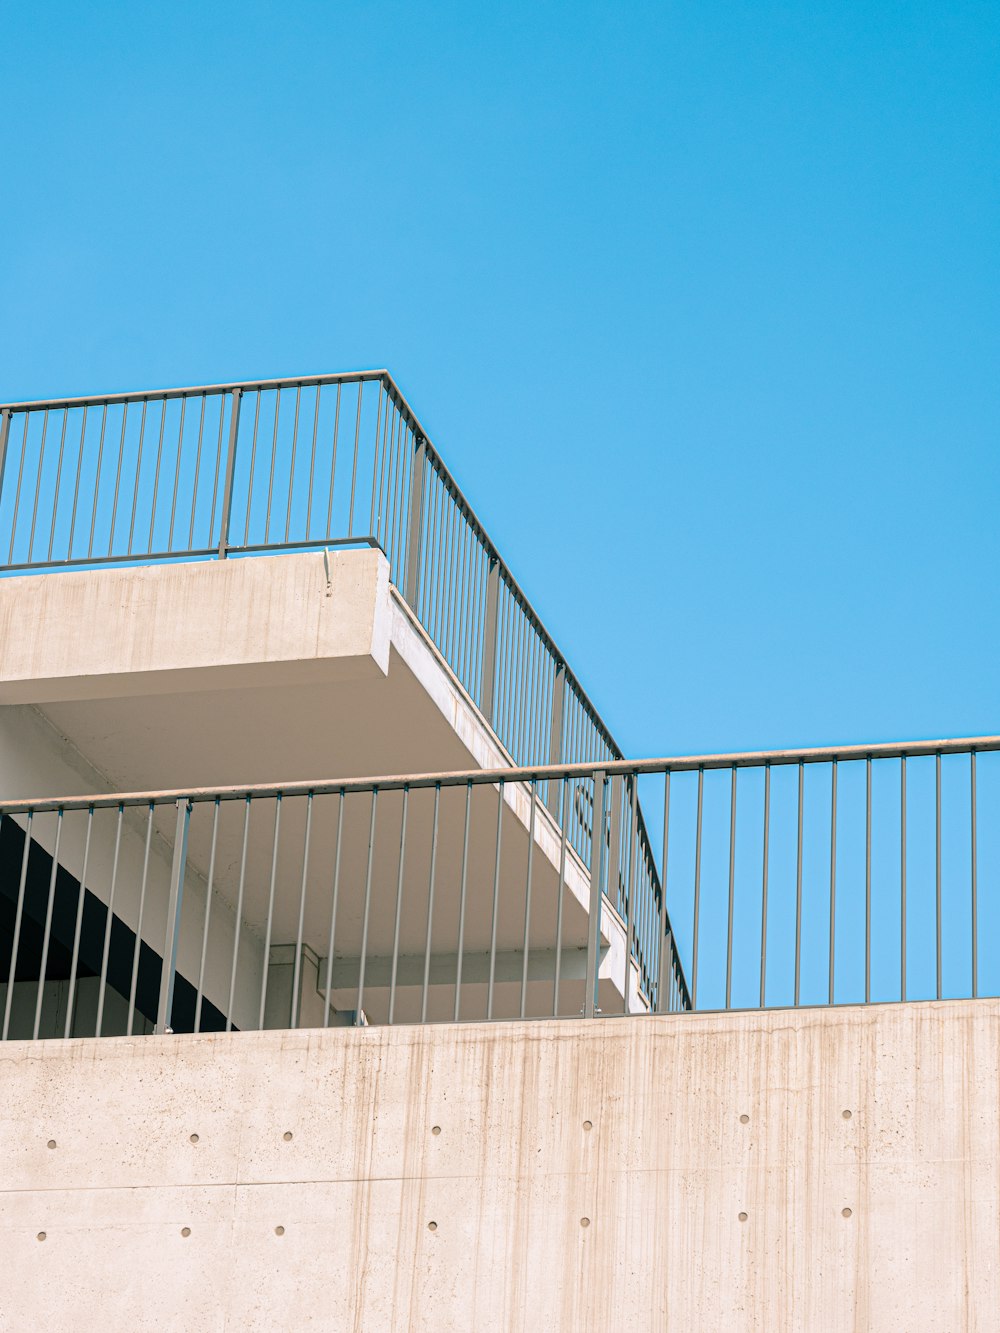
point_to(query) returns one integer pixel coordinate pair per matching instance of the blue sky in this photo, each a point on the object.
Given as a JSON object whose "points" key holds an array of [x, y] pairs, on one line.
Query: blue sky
{"points": [[699, 301]]}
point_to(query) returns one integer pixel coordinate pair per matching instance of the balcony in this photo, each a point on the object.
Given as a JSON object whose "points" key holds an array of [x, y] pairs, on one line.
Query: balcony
{"points": [[337, 466]]}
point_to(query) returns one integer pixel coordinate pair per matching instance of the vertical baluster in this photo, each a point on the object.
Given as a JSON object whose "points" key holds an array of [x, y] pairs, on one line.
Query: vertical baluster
{"points": [[239, 914], [270, 911], [798, 889], [399, 906], [462, 900], [763, 892], [359, 1011], [78, 926], [138, 927], [47, 932], [209, 889], [333, 907], [297, 965], [430, 905], [109, 918], [496, 903]]}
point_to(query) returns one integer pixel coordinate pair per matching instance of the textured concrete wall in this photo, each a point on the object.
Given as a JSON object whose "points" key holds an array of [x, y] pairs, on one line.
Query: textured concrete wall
{"points": [[820, 1170]]}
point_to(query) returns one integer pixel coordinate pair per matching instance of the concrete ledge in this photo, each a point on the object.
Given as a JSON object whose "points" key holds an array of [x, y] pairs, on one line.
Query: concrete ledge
{"points": [[821, 1169], [212, 624]]}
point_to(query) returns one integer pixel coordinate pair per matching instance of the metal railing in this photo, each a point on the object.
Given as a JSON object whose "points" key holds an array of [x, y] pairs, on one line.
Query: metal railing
{"points": [[291, 464], [799, 877], [416, 898]]}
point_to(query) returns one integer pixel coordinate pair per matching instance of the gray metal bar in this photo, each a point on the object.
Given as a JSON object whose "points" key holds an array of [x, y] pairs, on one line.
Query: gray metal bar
{"points": [[109, 918], [312, 462], [527, 899], [55, 493], [354, 467], [291, 468], [490, 641], [937, 866], [76, 485], [560, 894], [399, 907], [411, 587], [616, 891], [307, 381], [359, 1011], [38, 487], [732, 892], [902, 878], [833, 876], [763, 890], [239, 914], [270, 911], [177, 474], [798, 890], [496, 903], [462, 901], [77, 928], [4, 436], [594, 918], [631, 938], [253, 463], [274, 459], [135, 484], [118, 478], [333, 912], [47, 932], [215, 473], [138, 927], [297, 965], [17, 490], [18, 917], [209, 887], [662, 981], [376, 479], [556, 728], [175, 904], [378, 462], [430, 907], [974, 869], [868, 881], [697, 891], [333, 462], [197, 468], [156, 474], [227, 492], [458, 778]]}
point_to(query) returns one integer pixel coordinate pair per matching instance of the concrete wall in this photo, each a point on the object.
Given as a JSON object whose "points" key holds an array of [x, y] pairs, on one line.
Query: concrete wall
{"points": [[819, 1170]]}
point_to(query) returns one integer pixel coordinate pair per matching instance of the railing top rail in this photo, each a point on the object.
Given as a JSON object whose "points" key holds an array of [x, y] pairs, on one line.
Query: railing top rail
{"points": [[539, 773], [195, 390]]}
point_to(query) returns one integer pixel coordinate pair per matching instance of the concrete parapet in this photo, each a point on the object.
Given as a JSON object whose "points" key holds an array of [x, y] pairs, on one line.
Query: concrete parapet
{"points": [[817, 1169]]}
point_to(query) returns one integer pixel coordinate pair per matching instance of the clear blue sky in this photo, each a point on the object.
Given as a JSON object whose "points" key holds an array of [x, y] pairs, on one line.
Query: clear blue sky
{"points": [[699, 301]]}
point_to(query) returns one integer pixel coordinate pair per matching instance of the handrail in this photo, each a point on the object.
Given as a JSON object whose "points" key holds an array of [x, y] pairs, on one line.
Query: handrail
{"points": [[513, 775]]}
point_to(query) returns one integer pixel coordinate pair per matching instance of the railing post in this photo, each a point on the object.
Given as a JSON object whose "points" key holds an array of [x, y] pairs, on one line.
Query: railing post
{"points": [[556, 734], [594, 922], [4, 433], [227, 494], [665, 966], [174, 904], [411, 583], [490, 638]]}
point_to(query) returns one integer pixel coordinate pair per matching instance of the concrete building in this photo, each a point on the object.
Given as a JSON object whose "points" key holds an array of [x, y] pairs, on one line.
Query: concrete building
{"points": [[340, 984]]}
